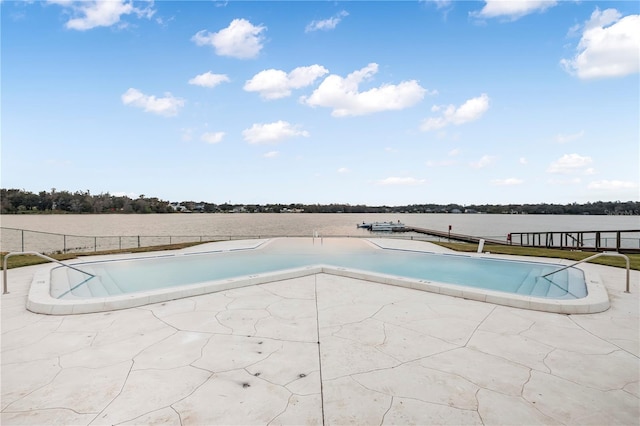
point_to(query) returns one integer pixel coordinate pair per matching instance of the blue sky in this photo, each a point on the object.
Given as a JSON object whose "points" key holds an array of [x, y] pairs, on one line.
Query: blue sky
{"points": [[354, 102]]}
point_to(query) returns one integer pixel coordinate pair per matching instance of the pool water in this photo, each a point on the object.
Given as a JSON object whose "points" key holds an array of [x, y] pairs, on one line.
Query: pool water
{"points": [[137, 275]]}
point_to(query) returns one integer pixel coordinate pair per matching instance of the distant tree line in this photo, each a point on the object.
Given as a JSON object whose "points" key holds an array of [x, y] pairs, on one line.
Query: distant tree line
{"points": [[14, 201]]}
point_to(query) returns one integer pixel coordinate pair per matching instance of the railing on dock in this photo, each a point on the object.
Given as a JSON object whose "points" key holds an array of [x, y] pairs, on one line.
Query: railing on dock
{"points": [[627, 241], [621, 241]]}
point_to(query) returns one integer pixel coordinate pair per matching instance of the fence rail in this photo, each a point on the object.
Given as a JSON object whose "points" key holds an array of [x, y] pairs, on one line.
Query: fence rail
{"points": [[622, 241], [12, 239]]}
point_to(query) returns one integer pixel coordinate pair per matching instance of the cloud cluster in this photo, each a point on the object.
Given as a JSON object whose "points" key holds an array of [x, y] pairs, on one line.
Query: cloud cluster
{"points": [[507, 182], [208, 79], [484, 161], [394, 180], [562, 138], [609, 47], [241, 39], [513, 9], [88, 14], [570, 164], [275, 84], [212, 137], [272, 132], [326, 24], [612, 185], [469, 111], [343, 95], [167, 106]]}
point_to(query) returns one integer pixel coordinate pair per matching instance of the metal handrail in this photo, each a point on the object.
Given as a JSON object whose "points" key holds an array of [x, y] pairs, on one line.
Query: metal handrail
{"points": [[604, 253], [35, 253]]}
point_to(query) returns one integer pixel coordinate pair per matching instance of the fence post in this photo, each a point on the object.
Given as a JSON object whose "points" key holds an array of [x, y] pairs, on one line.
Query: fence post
{"points": [[138, 241], [95, 244], [64, 244], [22, 232]]}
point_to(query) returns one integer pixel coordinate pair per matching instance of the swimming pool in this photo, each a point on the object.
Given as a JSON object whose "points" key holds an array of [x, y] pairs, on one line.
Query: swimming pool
{"points": [[215, 267]]}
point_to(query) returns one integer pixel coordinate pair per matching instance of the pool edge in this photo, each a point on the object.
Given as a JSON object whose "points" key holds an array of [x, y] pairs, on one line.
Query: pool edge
{"points": [[40, 301]]}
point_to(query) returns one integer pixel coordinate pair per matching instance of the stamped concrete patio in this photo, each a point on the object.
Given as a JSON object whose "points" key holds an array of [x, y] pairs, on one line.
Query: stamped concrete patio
{"points": [[322, 349]]}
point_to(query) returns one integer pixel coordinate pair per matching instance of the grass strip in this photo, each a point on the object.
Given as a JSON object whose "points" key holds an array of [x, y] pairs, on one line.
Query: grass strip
{"points": [[28, 259], [618, 262]]}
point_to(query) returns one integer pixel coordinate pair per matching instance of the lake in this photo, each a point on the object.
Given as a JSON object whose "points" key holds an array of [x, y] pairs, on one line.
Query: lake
{"points": [[103, 231]]}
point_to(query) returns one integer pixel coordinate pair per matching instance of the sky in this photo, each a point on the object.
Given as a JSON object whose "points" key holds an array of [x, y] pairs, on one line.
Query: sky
{"points": [[358, 102]]}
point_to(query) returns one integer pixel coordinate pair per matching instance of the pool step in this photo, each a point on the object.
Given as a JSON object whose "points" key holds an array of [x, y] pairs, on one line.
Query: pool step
{"points": [[536, 285], [529, 282], [82, 286], [108, 286], [559, 284]]}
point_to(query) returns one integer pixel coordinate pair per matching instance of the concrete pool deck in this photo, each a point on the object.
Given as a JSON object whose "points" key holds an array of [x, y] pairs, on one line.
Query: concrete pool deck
{"points": [[322, 349]]}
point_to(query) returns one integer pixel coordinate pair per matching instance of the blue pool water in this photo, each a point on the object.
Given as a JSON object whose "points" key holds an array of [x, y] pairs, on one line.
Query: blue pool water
{"points": [[130, 276]]}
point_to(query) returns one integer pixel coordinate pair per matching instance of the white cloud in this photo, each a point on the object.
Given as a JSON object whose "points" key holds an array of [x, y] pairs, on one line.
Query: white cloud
{"points": [[409, 181], [326, 24], [441, 163], [484, 161], [271, 154], [567, 181], [454, 152], [523, 160], [241, 39], [507, 182], [609, 47], [612, 185], [512, 9], [343, 170], [275, 84], [208, 79], [561, 138], [272, 132], [166, 106], [441, 4], [570, 163], [212, 137], [343, 96], [88, 14], [471, 110]]}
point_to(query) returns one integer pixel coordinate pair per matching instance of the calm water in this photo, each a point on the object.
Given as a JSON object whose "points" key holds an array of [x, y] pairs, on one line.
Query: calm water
{"points": [[118, 277], [265, 225]]}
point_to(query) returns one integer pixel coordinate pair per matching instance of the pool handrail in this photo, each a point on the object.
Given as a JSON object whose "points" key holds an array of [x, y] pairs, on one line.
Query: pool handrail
{"points": [[604, 253], [34, 253]]}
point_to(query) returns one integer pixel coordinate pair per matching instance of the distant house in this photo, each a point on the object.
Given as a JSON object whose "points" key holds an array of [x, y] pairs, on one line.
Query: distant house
{"points": [[177, 207], [455, 211]]}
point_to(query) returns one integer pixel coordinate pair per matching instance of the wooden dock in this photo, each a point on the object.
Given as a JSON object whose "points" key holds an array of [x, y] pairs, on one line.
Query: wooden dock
{"points": [[453, 236]]}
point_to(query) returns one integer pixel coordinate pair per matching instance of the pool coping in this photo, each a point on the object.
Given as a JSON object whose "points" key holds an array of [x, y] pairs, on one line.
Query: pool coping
{"points": [[40, 300]]}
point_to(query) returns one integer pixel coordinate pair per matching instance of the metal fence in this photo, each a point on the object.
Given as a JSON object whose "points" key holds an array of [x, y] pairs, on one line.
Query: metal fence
{"points": [[628, 240], [12, 240]]}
